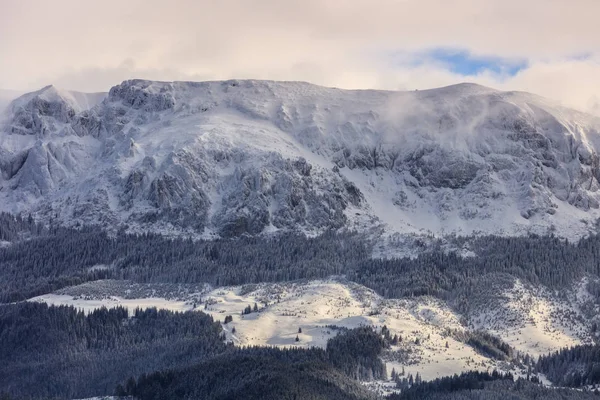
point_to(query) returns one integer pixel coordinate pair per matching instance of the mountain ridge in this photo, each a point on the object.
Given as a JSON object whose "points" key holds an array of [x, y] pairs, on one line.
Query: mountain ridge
{"points": [[246, 157]]}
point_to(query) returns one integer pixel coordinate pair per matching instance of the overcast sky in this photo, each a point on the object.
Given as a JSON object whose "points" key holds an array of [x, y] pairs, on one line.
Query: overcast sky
{"points": [[550, 47]]}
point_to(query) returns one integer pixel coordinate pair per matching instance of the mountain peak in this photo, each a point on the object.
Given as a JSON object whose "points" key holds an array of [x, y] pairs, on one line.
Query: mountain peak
{"points": [[48, 88], [48, 93], [43, 109], [462, 89]]}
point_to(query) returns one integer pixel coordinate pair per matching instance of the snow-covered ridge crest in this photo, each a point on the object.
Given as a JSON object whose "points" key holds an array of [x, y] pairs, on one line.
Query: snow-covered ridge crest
{"points": [[246, 156], [47, 111]]}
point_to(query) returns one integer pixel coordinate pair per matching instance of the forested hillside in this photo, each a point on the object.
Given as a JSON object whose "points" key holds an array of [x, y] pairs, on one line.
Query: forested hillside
{"points": [[58, 257], [572, 367], [253, 374], [486, 386], [58, 352], [67, 349]]}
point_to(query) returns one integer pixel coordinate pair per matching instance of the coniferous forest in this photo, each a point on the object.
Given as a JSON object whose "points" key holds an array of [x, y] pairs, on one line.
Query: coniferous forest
{"points": [[59, 352], [40, 260], [62, 353]]}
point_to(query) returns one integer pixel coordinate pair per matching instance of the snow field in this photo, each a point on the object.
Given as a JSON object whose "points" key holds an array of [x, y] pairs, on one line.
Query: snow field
{"points": [[530, 321]]}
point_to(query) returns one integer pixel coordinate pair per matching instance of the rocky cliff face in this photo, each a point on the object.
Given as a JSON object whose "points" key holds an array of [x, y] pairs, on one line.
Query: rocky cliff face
{"points": [[247, 157]]}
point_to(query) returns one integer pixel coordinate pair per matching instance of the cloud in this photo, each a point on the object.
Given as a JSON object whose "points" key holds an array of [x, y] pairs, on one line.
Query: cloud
{"points": [[92, 79], [91, 46], [574, 82]]}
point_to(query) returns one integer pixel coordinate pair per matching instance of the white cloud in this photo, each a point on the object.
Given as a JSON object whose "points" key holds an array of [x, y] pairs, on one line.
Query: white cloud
{"points": [[575, 83], [92, 45]]}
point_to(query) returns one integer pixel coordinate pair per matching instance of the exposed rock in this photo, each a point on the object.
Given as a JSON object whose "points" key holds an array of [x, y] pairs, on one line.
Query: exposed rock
{"points": [[246, 157]]}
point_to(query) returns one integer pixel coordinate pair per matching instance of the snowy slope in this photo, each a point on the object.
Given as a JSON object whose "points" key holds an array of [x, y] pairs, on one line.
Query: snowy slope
{"points": [[540, 324], [238, 157], [535, 321]]}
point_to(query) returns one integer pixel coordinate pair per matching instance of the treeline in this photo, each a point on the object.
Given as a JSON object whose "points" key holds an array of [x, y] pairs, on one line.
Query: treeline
{"points": [[485, 343], [546, 260], [476, 385], [471, 380], [576, 366], [252, 373], [59, 257], [356, 353], [17, 227], [59, 352], [272, 373]]}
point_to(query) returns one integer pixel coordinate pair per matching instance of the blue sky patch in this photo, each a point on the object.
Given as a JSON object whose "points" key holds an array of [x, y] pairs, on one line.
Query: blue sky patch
{"points": [[463, 62]]}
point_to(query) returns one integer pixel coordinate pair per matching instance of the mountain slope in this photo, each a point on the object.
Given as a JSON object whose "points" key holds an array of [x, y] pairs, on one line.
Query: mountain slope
{"points": [[237, 157]]}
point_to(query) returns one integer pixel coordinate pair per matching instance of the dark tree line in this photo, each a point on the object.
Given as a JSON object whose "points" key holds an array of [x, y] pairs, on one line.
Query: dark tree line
{"points": [[251, 373], [18, 228], [356, 353], [61, 257], [485, 344], [52, 258], [261, 373], [572, 367], [471, 380], [271, 373], [474, 385], [545, 260], [59, 352]]}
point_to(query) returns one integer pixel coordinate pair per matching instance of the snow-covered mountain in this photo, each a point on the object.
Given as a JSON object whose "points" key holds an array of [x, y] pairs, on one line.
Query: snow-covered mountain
{"points": [[238, 157]]}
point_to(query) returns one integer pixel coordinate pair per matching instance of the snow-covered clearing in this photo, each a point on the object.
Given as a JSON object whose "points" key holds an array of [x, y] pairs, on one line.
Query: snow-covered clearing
{"points": [[531, 322], [89, 305], [534, 321]]}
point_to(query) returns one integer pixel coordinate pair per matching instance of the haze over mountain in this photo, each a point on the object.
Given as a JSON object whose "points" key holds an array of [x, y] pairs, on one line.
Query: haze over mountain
{"points": [[6, 96], [238, 157]]}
